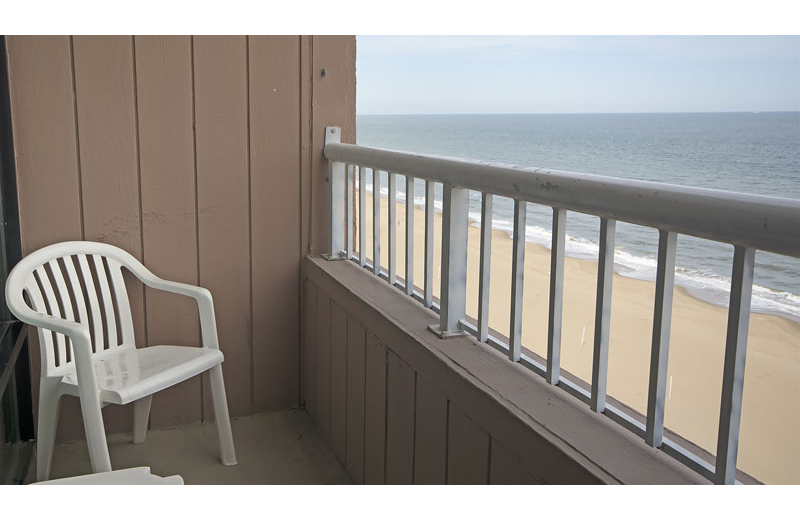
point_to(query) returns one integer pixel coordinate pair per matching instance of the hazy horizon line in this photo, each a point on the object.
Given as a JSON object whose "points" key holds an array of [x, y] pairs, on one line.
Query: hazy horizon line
{"points": [[580, 113]]}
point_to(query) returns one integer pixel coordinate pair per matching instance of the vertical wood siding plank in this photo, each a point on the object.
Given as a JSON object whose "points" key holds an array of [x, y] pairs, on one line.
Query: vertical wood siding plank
{"points": [[467, 450], [275, 218], [220, 82], [310, 350], [506, 468], [48, 187], [333, 104], [430, 446], [401, 380], [106, 107], [356, 345], [323, 400], [338, 380], [375, 411], [166, 143]]}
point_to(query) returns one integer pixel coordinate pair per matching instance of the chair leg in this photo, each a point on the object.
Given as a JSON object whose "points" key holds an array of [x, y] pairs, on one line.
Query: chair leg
{"points": [[227, 451], [49, 400], [95, 431], [141, 414]]}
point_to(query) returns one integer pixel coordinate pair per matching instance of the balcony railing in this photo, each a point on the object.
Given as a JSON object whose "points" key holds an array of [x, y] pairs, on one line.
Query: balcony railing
{"points": [[748, 222]]}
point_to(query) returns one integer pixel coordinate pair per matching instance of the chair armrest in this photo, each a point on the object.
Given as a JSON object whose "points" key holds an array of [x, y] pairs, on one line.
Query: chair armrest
{"points": [[205, 303]]}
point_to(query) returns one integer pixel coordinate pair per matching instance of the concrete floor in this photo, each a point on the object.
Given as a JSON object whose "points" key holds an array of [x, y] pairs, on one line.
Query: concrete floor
{"points": [[277, 448]]}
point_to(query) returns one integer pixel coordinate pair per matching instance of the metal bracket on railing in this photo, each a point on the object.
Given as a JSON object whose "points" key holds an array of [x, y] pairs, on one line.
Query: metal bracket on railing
{"points": [[455, 222], [336, 199]]}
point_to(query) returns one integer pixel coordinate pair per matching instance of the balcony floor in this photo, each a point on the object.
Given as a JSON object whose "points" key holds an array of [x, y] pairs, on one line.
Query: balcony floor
{"points": [[276, 448]]}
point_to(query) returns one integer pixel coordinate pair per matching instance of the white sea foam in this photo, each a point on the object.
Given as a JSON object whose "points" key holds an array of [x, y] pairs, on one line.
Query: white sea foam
{"points": [[707, 286]]}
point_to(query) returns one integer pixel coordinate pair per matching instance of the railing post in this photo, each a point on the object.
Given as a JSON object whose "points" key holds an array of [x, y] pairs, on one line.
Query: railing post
{"points": [[733, 371], [362, 216], [409, 235], [376, 222], [392, 203], [429, 203], [602, 315], [485, 267], [556, 295], [662, 317], [349, 191], [336, 199], [517, 280], [455, 222]]}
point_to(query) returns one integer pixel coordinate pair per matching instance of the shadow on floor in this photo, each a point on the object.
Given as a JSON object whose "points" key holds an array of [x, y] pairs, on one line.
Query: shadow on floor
{"points": [[276, 448]]}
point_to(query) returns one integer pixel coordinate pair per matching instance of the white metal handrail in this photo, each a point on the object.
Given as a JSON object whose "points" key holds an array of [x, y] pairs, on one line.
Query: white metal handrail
{"points": [[748, 222]]}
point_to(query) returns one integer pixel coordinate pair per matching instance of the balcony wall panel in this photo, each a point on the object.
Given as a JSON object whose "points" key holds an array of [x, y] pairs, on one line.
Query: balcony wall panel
{"points": [[45, 142], [275, 112], [167, 155], [105, 100], [356, 366], [201, 156], [467, 450], [323, 352], [375, 411], [338, 363], [436, 410], [400, 395], [430, 436]]}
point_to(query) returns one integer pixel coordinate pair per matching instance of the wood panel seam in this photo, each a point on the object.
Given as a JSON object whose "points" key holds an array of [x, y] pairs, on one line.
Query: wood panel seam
{"points": [[250, 228], [139, 175], [414, 429], [77, 135], [196, 206]]}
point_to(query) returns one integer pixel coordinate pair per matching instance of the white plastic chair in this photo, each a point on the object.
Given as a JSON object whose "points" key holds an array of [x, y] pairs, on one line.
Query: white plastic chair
{"points": [[76, 296]]}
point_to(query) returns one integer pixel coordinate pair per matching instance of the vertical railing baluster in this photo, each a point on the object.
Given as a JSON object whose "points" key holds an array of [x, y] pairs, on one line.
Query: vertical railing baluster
{"points": [[349, 188], [376, 221], [659, 354], [602, 315], [733, 371], [409, 235], [517, 280], [362, 217], [392, 228], [487, 200], [453, 292], [336, 199], [428, 243], [556, 295]]}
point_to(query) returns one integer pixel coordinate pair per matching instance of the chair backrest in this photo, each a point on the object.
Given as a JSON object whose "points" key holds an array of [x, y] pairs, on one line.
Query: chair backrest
{"points": [[78, 281]]}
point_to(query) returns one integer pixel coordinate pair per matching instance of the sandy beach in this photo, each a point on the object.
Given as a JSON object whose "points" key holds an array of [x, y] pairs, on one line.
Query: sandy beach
{"points": [[769, 447]]}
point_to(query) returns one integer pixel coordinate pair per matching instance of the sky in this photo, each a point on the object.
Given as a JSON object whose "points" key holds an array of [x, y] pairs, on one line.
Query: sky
{"points": [[576, 74]]}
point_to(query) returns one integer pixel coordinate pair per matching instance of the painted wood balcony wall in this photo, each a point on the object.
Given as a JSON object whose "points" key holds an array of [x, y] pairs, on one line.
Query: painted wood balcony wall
{"points": [[195, 154], [400, 406]]}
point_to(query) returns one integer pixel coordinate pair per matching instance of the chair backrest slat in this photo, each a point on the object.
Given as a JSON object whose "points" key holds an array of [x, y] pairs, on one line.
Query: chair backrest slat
{"points": [[45, 336], [63, 293], [77, 291], [55, 310], [108, 302], [94, 304]]}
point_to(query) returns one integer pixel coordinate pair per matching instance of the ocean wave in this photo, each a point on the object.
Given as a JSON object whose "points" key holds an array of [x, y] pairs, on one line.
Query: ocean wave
{"points": [[706, 286]]}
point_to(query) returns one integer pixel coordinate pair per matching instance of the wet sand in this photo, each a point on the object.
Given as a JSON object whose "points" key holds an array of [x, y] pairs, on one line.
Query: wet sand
{"points": [[769, 444]]}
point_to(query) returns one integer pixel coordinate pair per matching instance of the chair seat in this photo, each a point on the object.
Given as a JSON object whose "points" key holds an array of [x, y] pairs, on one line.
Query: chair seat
{"points": [[125, 375]]}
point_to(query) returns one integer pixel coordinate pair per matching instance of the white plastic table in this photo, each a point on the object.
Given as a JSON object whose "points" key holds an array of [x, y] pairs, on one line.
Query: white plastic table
{"points": [[130, 476]]}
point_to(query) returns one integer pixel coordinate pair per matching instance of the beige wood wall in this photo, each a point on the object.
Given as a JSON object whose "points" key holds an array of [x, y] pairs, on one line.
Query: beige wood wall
{"points": [[201, 156]]}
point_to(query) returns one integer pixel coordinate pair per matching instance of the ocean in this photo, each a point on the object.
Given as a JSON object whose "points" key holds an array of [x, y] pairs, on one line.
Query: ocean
{"points": [[746, 152]]}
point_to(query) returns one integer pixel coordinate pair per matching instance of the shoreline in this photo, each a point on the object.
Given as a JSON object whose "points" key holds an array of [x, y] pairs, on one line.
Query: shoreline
{"points": [[713, 296], [770, 430]]}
